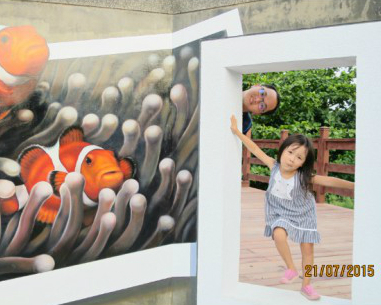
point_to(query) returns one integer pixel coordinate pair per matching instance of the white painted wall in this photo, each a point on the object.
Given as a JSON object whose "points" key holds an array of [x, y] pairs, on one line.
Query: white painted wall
{"points": [[99, 277], [223, 63], [129, 270]]}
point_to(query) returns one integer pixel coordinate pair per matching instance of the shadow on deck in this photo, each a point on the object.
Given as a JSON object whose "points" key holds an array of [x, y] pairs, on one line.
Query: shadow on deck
{"points": [[260, 263]]}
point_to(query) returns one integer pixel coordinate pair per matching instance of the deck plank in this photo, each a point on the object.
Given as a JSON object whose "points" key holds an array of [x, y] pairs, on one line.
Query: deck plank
{"points": [[260, 263]]}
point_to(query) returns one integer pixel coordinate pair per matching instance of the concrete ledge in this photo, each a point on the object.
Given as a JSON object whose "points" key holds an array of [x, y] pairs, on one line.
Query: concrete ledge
{"points": [[178, 291], [154, 6]]}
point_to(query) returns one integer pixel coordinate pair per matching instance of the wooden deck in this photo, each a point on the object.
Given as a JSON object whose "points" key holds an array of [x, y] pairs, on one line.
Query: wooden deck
{"points": [[260, 263]]}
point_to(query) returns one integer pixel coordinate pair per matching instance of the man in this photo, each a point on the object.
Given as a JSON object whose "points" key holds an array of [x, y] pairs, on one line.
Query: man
{"points": [[258, 100]]}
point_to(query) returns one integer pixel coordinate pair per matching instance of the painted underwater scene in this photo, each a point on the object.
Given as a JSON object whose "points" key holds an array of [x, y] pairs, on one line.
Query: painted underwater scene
{"points": [[100, 159]]}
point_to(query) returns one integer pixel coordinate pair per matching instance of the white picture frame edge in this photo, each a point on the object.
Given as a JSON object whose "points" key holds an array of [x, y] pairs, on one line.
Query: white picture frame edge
{"points": [[223, 63]]}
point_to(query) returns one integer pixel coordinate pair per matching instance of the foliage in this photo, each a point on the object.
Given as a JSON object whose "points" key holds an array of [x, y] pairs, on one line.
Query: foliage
{"points": [[345, 202], [260, 170], [342, 157], [310, 99]]}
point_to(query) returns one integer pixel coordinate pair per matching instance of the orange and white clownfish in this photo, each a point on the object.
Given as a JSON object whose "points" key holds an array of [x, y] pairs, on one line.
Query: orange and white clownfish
{"points": [[23, 56], [99, 167]]}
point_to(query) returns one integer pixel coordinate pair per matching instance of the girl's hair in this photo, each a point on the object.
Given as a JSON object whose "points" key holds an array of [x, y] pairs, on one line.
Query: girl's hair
{"points": [[306, 170]]}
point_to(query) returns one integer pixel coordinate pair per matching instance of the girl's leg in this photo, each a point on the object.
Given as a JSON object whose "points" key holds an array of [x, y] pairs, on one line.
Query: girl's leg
{"points": [[307, 250], [280, 238], [308, 259]]}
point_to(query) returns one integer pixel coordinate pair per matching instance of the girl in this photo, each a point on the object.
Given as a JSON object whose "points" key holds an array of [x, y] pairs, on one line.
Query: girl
{"points": [[290, 206]]}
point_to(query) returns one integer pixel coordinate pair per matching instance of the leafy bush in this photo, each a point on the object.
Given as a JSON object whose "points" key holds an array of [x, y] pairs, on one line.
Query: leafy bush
{"points": [[345, 202]]}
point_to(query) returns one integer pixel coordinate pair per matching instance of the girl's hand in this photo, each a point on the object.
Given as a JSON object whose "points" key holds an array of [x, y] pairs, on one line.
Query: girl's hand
{"points": [[233, 125]]}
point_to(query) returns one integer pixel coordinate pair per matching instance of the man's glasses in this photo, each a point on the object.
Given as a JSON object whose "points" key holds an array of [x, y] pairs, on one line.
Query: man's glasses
{"points": [[262, 105]]}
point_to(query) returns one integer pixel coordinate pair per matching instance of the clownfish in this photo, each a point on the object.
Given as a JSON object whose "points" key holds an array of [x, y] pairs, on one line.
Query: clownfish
{"points": [[99, 167], [23, 56]]}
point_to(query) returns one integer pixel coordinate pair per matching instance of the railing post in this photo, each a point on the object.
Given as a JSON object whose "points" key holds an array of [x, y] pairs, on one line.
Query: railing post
{"points": [[283, 136], [246, 163], [322, 162]]}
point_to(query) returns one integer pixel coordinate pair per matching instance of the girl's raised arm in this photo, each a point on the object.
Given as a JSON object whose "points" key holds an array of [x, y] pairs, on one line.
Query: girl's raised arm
{"points": [[332, 181], [251, 146]]}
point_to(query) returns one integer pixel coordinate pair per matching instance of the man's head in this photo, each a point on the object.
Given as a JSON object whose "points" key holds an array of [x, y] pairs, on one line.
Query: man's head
{"points": [[261, 99]]}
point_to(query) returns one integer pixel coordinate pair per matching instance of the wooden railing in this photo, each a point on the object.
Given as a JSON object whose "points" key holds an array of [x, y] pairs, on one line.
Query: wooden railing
{"points": [[322, 166]]}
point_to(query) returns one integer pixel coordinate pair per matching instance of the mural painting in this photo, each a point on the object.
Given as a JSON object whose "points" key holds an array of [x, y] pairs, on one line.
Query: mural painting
{"points": [[99, 155]]}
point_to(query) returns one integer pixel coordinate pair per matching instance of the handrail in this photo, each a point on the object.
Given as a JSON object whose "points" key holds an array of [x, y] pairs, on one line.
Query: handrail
{"points": [[323, 144]]}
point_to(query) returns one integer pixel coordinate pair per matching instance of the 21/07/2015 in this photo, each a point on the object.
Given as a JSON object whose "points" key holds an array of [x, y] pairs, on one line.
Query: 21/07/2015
{"points": [[339, 270]]}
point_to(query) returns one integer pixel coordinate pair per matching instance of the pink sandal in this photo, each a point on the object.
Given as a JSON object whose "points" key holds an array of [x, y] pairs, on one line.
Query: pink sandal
{"points": [[310, 293], [289, 276]]}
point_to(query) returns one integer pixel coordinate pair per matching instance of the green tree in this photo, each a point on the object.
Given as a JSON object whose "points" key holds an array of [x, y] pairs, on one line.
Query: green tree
{"points": [[311, 99]]}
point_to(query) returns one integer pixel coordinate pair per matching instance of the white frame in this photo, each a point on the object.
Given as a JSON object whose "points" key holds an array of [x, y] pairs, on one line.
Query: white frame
{"points": [[223, 63], [129, 270]]}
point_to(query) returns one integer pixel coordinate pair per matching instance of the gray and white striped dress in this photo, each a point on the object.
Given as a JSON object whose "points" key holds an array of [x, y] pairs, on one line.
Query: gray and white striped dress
{"points": [[288, 206]]}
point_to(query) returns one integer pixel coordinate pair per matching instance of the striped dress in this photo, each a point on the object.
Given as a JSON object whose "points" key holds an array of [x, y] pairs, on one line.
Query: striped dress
{"points": [[289, 207]]}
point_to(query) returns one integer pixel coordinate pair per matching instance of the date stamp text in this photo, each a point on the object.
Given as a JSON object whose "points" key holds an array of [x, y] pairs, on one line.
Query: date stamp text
{"points": [[339, 271]]}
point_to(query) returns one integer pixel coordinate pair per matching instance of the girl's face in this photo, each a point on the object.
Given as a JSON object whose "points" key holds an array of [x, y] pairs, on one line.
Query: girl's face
{"points": [[293, 157]]}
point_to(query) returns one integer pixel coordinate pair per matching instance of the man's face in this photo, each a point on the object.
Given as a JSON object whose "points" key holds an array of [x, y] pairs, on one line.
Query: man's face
{"points": [[259, 100]]}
